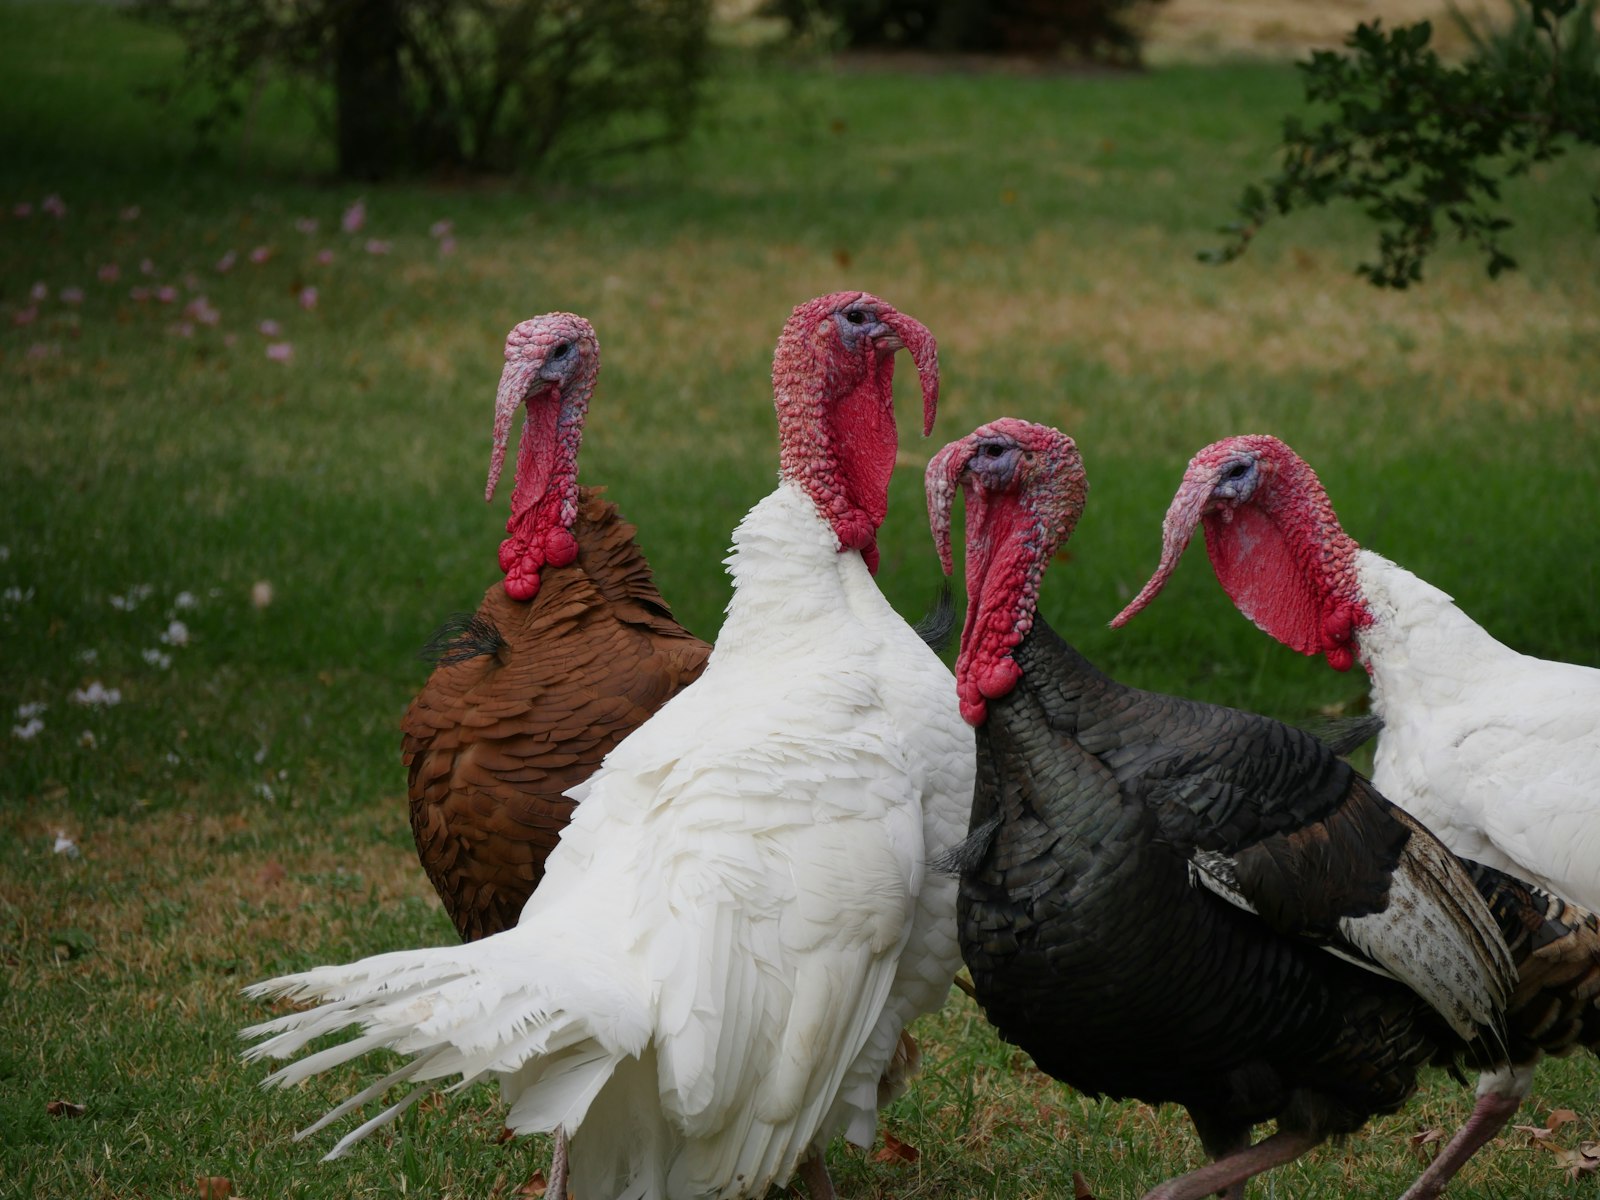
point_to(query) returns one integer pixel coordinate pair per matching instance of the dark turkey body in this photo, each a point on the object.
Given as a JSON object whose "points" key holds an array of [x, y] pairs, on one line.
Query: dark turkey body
{"points": [[1091, 948]]}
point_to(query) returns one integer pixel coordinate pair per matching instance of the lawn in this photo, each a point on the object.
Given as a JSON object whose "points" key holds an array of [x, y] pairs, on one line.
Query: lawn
{"points": [[246, 551]]}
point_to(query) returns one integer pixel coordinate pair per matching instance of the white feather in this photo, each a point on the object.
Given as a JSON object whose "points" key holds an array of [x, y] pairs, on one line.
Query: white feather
{"points": [[1497, 752], [712, 976]]}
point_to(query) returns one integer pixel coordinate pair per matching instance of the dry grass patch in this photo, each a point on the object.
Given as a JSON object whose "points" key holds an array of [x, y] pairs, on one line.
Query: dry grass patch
{"points": [[1202, 29]]}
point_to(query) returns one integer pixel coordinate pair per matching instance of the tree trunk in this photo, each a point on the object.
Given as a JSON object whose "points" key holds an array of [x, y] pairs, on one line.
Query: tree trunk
{"points": [[369, 88]]}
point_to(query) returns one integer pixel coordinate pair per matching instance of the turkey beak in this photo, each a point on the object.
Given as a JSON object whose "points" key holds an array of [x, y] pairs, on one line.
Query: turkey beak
{"points": [[941, 480], [915, 337], [515, 381], [1183, 517]]}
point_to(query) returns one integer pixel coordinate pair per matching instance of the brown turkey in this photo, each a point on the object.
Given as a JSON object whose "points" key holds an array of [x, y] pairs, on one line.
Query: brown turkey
{"points": [[1185, 903], [572, 652]]}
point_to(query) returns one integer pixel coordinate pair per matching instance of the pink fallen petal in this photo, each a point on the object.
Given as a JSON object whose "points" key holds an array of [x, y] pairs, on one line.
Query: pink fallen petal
{"points": [[22, 209], [131, 213], [110, 273], [225, 263], [280, 351], [354, 217], [167, 294], [138, 294], [71, 295], [43, 350], [146, 267], [25, 316], [441, 228], [260, 254], [53, 205], [200, 309], [39, 291], [324, 257], [269, 328], [308, 298], [183, 329], [378, 246], [306, 225], [447, 246]]}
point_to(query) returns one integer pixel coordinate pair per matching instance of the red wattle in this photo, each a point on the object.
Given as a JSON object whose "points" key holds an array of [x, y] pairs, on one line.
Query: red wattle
{"points": [[522, 584], [1001, 594], [560, 547], [510, 551], [1256, 565]]}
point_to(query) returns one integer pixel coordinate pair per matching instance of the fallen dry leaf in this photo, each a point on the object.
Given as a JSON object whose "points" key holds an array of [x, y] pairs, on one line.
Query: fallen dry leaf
{"points": [[214, 1187], [64, 1108], [894, 1150], [271, 874], [535, 1186], [1559, 1117], [1422, 1138], [504, 1136], [1585, 1160], [1080, 1187], [1536, 1134]]}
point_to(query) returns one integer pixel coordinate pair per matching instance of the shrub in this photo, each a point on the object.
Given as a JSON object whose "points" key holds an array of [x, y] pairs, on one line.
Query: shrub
{"points": [[1421, 145], [479, 85]]}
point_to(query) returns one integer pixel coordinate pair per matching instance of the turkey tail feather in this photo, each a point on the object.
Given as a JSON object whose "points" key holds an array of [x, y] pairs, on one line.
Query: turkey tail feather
{"points": [[494, 1006]]}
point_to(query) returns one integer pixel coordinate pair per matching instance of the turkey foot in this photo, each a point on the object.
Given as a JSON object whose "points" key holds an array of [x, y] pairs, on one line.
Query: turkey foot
{"points": [[1235, 1169]]}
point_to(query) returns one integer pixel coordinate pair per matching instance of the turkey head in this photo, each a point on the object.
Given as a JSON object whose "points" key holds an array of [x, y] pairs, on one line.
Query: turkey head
{"points": [[551, 365], [1025, 489], [833, 377], [1274, 541]]}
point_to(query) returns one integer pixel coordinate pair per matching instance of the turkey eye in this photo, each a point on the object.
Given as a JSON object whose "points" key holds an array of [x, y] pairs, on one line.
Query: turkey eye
{"points": [[1235, 471], [560, 349], [856, 317], [993, 451]]}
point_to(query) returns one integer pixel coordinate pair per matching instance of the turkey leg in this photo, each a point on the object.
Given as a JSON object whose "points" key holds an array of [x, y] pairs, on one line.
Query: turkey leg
{"points": [[1236, 1168], [814, 1172]]}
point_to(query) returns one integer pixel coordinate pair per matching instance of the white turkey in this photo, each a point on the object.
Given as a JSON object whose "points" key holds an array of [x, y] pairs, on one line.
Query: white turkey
{"points": [[732, 932], [1497, 752]]}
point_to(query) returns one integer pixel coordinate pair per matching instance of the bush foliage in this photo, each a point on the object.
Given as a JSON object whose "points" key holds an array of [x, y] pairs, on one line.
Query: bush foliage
{"points": [[1422, 146], [476, 85]]}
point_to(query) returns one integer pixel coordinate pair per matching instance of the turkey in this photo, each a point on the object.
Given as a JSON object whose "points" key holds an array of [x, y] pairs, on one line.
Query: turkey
{"points": [[739, 921], [1179, 902], [562, 660], [1495, 751]]}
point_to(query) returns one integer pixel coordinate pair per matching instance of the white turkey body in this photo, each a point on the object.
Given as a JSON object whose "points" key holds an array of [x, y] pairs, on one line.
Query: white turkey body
{"points": [[741, 901], [1497, 752]]}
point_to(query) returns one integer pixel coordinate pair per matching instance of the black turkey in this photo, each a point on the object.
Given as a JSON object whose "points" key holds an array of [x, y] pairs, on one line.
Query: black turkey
{"points": [[1185, 903]]}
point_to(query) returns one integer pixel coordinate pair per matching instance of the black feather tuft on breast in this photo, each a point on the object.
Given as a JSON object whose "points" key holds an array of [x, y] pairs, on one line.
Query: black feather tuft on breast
{"points": [[939, 623], [966, 854], [462, 636], [1345, 735]]}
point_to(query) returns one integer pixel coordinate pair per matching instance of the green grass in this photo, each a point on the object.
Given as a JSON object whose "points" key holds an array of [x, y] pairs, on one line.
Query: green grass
{"points": [[241, 812]]}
